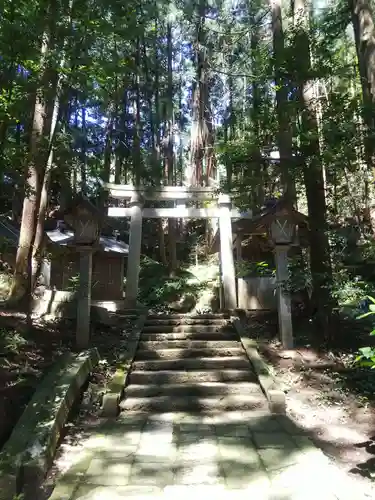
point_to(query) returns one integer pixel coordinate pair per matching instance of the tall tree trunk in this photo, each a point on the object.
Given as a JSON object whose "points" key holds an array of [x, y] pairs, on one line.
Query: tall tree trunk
{"points": [[364, 34], [257, 163], [313, 177], [229, 125], [168, 147], [22, 278], [156, 147], [284, 136], [38, 247], [202, 155], [83, 162], [137, 156]]}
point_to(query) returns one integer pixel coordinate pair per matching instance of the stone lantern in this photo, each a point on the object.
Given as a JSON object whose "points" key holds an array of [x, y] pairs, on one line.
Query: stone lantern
{"points": [[85, 220]]}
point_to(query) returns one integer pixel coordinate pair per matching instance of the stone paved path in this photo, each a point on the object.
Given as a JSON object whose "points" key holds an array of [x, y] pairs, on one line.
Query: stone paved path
{"points": [[228, 456]]}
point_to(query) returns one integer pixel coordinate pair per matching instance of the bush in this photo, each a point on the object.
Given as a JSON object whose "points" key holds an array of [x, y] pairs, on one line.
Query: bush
{"points": [[158, 288], [367, 354]]}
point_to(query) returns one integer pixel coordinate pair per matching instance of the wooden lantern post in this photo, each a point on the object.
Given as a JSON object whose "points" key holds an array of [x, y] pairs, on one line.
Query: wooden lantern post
{"points": [[282, 230], [85, 220]]}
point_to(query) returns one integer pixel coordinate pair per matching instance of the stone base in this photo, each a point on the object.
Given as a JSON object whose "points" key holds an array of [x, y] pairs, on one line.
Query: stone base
{"points": [[58, 303]]}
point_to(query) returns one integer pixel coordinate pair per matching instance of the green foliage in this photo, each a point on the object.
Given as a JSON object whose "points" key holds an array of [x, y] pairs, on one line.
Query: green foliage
{"points": [[366, 358], [73, 285], [158, 288], [299, 275], [349, 290], [253, 269], [11, 341]]}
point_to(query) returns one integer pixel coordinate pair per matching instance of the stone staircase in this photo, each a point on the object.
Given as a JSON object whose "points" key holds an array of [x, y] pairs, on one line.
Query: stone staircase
{"points": [[193, 364]]}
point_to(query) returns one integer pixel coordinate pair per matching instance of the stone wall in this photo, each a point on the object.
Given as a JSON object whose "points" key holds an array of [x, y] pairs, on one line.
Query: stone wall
{"points": [[257, 293]]}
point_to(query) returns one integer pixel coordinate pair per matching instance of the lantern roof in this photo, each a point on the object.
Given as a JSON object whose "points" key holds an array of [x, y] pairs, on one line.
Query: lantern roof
{"points": [[271, 210], [249, 229], [80, 204]]}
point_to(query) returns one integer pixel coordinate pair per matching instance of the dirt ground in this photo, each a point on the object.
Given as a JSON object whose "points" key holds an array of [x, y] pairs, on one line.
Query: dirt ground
{"points": [[328, 397]]}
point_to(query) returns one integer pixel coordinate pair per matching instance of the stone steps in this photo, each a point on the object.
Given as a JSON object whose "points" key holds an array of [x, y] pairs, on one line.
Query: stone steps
{"points": [[165, 404], [193, 377], [212, 317], [195, 390], [186, 344], [203, 329], [183, 335], [193, 365], [186, 321], [210, 417], [217, 363], [189, 353]]}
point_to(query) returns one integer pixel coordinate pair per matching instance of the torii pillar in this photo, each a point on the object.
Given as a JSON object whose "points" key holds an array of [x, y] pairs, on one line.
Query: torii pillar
{"points": [[134, 256], [226, 252]]}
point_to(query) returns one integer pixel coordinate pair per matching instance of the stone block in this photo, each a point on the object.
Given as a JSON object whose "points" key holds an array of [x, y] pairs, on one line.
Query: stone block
{"points": [[244, 475], [202, 450], [233, 430], [113, 492], [277, 458], [279, 440], [276, 401], [238, 453], [151, 474], [108, 472], [110, 405], [199, 473], [65, 489]]}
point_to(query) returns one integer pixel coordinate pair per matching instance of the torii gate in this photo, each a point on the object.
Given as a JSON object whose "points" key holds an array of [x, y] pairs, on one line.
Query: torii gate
{"points": [[180, 194]]}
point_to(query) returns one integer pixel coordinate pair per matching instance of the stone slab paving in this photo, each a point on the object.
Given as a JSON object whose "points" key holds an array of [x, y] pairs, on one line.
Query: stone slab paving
{"points": [[229, 456]]}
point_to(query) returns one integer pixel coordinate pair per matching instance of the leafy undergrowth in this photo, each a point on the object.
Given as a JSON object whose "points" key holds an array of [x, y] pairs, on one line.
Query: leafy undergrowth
{"points": [[192, 286], [111, 342], [25, 356], [326, 393]]}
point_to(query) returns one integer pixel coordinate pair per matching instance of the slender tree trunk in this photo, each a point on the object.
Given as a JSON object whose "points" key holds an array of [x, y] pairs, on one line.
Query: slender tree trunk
{"points": [[43, 204], [284, 136], [256, 117], [156, 147], [137, 156], [38, 247], [229, 125], [364, 34], [313, 177], [169, 152], [202, 159], [22, 279], [83, 162]]}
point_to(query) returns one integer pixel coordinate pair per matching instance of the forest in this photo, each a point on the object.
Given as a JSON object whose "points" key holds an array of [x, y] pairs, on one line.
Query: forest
{"points": [[264, 99], [268, 99]]}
